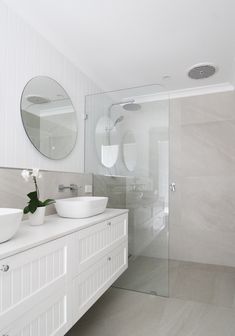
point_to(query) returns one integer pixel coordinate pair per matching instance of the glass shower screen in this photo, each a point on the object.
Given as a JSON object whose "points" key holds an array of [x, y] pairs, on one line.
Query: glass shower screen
{"points": [[127, 150]]}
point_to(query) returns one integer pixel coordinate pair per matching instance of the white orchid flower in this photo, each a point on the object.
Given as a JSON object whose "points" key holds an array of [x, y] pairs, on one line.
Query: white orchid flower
{"points": [[35, 172], [25, 174]]}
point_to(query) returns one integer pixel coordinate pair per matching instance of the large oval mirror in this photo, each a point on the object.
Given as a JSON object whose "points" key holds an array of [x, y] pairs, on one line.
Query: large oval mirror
{"points": [[49, 117], [129, 151]]}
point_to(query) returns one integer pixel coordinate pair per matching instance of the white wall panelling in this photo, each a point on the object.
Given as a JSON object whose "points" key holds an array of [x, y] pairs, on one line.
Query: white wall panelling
{"points": [[25, 54]]}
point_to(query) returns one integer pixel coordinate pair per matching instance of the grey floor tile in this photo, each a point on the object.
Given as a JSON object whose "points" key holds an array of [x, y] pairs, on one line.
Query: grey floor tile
{"points": [[210, 284], [125, 313]]}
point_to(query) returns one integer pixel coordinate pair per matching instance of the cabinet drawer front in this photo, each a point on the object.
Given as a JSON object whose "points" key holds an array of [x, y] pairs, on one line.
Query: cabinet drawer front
{"points": [[118, 260], [31, 272], [94, 241], [92, 283], [91, 241], [46, 319], [118, 226]]}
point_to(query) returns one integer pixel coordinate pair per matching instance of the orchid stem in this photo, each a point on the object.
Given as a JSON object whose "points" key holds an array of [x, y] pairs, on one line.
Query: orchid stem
{"points": [[36, 186]]}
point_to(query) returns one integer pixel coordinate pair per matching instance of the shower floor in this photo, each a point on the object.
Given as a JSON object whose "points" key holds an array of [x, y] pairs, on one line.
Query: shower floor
{"points": [[187, 280], [205, 283], [125, 313], [201, 302], [145, 274]]}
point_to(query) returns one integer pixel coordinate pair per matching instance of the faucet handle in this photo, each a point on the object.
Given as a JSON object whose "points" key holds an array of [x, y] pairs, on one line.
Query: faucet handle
{"points": [[74, 187], [71, 187]]}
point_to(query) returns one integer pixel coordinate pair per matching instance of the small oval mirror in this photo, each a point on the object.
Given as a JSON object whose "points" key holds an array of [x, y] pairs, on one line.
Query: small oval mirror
{"points": [[129, 151], [49, 117], [106, 141]]}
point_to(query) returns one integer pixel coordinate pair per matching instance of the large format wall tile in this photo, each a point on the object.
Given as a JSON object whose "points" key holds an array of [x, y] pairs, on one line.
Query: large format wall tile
{"points": [[202, 225], [208, 149], [112, 186], [207, 108], [13, 189], [192, 244], [208, 203]]}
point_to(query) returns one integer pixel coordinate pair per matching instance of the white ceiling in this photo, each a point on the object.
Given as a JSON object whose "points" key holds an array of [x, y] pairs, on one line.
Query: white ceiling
{"points": [[125, 43]]}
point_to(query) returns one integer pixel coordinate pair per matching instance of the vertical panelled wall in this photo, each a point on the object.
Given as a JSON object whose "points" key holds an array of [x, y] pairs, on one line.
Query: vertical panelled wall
{"points": [[25, 54], [202, 225]]}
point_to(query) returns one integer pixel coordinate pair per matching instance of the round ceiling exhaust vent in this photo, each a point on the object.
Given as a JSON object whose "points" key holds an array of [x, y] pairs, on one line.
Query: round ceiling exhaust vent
{"points": [[38, 99], [201, 71]]}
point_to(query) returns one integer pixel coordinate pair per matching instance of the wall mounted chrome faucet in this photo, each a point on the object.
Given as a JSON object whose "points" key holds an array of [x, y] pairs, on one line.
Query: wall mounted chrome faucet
{"points": [[71, 187]]}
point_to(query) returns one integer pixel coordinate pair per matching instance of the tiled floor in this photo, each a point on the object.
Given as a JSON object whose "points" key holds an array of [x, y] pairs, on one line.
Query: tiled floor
{"points": [[145, 274], [202, 283], [201, 303], [125, 313], [188, 281]]}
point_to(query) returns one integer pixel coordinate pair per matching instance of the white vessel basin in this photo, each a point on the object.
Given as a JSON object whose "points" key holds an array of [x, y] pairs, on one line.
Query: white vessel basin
{"points": [[81, 207], [9, 222]]}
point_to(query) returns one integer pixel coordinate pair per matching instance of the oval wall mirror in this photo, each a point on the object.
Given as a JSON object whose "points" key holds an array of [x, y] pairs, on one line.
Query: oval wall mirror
{"points": [[49, 117], [129, 151], [106, 141]]}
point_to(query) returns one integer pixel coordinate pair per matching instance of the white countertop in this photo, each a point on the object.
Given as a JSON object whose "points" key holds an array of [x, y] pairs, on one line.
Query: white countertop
{"points": [[55, 227]]}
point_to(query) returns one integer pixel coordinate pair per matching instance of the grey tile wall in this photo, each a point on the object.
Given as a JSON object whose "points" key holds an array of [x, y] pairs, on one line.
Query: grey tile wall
{"points": [[112, 186], [202, 225], [13, 188]]}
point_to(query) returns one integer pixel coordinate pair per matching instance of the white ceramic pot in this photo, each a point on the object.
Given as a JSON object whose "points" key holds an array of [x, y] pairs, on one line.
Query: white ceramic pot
{"points": [[37, 218]]}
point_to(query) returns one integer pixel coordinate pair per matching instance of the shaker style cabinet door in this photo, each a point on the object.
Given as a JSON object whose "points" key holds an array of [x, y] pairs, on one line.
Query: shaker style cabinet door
{"points": [[28, 277], [94, 242], [48, 318], [93, 282]]}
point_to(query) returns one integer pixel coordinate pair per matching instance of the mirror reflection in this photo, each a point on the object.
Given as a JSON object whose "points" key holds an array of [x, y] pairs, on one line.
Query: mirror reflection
{"points": [[49, 117], [106, 140], [129, 151]]}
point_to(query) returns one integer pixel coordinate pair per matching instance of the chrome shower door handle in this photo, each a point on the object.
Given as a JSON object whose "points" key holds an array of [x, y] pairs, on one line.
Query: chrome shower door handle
{"points": [[173, 187]]}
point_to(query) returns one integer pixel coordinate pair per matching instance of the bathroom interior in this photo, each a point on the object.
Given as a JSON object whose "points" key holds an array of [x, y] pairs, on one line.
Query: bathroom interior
{"points": [[123, 112]]}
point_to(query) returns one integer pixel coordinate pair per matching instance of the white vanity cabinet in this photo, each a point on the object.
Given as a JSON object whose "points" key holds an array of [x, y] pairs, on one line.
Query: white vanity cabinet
{"points": [[93, 282], [27, 278], [49, 281], [95, 241], [46, 318]]}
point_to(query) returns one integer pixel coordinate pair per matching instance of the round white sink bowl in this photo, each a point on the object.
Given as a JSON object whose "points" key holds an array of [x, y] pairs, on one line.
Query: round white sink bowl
{"points": [[9, 222], [81, 207]]}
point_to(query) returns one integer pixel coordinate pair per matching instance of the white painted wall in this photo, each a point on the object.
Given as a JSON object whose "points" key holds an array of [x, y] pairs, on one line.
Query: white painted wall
{"points": [[25, 54]]}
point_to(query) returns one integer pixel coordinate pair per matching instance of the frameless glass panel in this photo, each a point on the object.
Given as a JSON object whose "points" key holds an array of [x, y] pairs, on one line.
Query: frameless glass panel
{"points": [[127, 150]]}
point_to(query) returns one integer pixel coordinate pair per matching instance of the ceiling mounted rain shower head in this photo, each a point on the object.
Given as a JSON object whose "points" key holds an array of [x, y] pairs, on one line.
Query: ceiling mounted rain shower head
{"points": [[201, 71], [131, 107]]}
